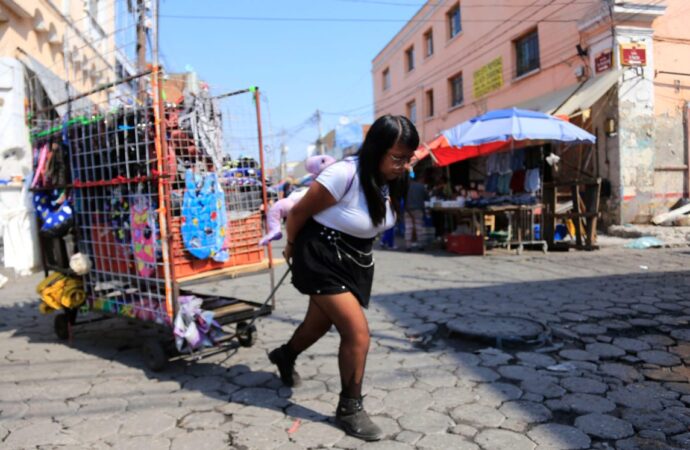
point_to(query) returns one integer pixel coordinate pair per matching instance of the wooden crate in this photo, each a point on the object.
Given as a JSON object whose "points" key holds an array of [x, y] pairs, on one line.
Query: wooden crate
{"points": [[241, 241]]}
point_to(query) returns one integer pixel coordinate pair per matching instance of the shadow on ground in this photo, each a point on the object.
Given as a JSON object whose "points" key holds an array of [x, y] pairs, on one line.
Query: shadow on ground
{"points": [[611, 373]]}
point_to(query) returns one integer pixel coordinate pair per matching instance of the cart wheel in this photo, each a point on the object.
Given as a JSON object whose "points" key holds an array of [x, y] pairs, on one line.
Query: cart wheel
{"points": [[154, 355], [61, 324], [545, 248], [520, 249], [246, 335]]}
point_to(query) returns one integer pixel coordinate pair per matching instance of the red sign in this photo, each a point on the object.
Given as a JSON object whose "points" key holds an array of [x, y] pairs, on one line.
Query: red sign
{"points": [[603, 61], [633, 55]]}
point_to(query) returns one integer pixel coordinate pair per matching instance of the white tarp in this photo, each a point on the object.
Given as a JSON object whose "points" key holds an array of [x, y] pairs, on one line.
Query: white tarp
{"points": [[15, 149], [19, 233]]}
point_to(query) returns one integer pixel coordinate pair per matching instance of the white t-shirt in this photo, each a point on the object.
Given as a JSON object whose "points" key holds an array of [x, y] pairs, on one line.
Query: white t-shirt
{"points": [[351, 214]]}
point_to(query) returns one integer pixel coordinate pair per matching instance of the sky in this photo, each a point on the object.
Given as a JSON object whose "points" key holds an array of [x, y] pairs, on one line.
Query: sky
{"points": [[300, 66]]}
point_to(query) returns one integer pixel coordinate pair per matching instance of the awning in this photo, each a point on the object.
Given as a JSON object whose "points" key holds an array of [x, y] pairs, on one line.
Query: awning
{"points": [[448, 155], [589, 93], [424, 149], [573, 98], [549, 102], [444, 154], [55, 87]]}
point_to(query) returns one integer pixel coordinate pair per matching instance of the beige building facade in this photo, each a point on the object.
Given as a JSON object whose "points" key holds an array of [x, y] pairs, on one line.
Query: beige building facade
{"points": [[51, 50], [617, 68]]}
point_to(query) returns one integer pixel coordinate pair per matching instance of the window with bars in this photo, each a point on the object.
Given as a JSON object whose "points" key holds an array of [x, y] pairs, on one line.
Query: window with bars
{"points": [[454, 21], [527, 53], [456, 92], [386, 78], [412, 111], [430, 103], [428, 43], [409, 59]]}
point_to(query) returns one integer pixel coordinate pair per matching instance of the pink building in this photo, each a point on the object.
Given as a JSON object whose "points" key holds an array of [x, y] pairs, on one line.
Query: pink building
{"points": [[617, 68]]}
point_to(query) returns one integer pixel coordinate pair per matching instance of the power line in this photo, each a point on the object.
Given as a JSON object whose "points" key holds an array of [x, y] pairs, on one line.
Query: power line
{"points": [[389, 103], [464, 5], [348, 111], [463, 59], [340, 19], [432, 77], [381, 2]]}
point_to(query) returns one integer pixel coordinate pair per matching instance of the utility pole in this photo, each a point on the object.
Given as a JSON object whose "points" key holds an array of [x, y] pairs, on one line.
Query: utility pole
{"points": [[141, 48], [319, 141]]}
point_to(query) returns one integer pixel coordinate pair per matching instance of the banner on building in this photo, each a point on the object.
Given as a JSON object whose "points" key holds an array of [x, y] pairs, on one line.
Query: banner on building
{"points": [[633, 55], [489, 78], [603, 61]]}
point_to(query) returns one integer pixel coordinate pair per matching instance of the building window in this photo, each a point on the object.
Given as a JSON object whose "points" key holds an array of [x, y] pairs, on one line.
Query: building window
{"points": [[429, 43], [456, 94], [412, 111], [430, 103], [527, 53], [386, 79], [454, 23], [409, 59]]}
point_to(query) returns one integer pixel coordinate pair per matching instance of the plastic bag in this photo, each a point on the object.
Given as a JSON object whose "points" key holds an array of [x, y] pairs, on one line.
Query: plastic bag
{"points": [[645, 243]]}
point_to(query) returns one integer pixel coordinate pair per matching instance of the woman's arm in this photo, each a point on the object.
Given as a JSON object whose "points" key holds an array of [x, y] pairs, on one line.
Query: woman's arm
{"points": [[314, 201]]}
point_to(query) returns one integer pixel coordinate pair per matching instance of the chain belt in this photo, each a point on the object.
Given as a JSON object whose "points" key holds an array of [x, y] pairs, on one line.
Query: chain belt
{"points": [[343, 248]]}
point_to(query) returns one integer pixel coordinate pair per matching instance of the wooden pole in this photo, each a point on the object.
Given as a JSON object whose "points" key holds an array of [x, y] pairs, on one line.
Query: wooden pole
{"points": [[264, 188], [141, 48]]}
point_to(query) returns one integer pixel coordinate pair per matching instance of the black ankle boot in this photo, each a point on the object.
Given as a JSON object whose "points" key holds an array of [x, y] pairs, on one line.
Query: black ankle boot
{"points": [[352, 418], [285, 360]]}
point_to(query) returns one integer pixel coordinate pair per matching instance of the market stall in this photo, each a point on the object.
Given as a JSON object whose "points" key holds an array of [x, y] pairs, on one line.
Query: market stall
{"points": [[517, 147]]}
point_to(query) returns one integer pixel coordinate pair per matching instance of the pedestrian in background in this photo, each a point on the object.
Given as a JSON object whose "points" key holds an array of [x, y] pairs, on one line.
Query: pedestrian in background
{"points": [[330, 235], [414, 213]]}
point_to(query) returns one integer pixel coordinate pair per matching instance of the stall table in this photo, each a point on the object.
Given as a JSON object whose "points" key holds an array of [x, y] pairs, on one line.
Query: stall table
{"points": [[520, 222]]}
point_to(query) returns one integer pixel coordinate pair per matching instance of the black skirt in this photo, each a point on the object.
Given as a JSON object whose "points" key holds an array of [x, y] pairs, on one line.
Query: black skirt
{"points": [[326, 262]]}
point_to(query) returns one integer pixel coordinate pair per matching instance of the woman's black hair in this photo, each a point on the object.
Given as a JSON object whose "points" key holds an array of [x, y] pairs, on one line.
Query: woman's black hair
{"points": [[386, 132]]}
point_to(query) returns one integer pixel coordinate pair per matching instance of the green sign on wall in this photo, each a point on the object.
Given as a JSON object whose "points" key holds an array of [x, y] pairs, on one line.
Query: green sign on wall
{"points": [[489, 78]]}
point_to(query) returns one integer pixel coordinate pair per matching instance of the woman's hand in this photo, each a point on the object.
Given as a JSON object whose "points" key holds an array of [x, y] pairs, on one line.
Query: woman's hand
{"points": [[314, 201], [287, 253]]}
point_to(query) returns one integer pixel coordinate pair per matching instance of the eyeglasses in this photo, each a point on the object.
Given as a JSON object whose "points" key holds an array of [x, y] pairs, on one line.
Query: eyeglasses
{"points": [[399, 162]]}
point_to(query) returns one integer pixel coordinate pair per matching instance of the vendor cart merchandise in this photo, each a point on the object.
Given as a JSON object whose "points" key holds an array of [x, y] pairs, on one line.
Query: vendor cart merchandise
{"points": [[152, 203]]}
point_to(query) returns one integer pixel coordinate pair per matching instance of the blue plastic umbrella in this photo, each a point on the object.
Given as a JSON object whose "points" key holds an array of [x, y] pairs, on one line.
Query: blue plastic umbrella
{"points": [[520, 125]]}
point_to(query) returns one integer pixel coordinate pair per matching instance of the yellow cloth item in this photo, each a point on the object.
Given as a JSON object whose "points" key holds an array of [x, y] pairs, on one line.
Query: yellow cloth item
{"points": [[59, 291], [571, 227]]}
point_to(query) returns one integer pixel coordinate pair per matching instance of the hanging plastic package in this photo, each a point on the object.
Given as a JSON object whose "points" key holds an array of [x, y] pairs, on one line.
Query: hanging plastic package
{"points": [[194, 328], [204, 220], [41, 162], [143, 229], [55, 211], [57, 167], [119, 216]]}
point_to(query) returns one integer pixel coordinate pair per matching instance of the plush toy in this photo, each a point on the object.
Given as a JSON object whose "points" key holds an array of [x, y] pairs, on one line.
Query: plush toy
{"points": [[280, 209]]}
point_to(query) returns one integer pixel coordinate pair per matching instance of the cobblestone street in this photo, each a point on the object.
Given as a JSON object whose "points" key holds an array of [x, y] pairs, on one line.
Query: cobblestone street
{"points": [[612, 375]]}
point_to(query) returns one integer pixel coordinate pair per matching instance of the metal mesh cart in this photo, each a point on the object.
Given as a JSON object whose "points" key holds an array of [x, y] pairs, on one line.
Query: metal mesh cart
{"points": [[158, 205]]}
